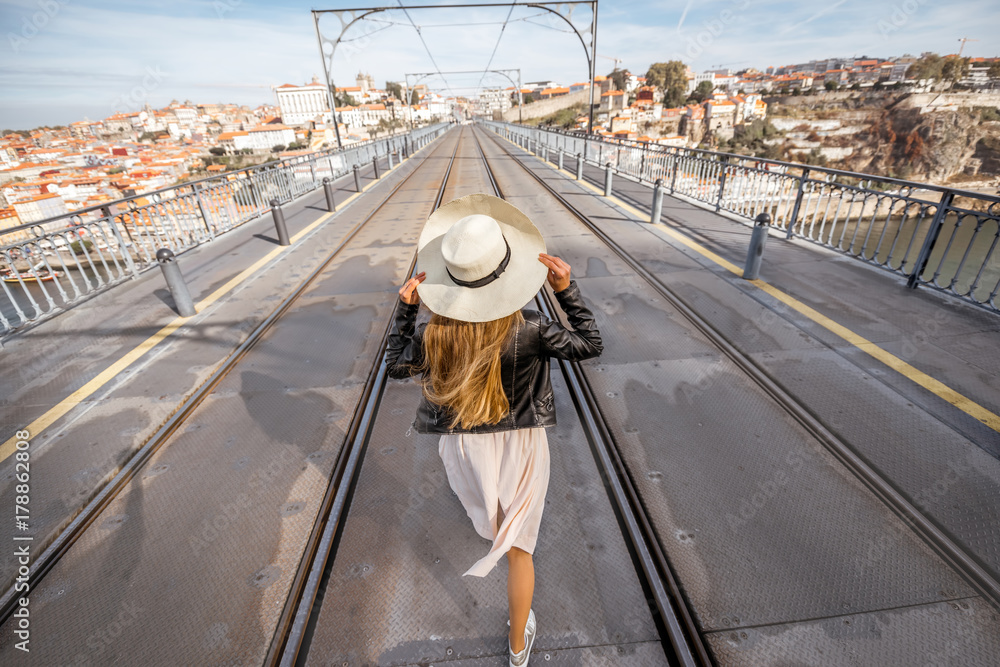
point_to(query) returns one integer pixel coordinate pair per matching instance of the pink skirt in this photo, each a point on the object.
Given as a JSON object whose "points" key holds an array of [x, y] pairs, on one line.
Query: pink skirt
{"points": [[509, 469]]}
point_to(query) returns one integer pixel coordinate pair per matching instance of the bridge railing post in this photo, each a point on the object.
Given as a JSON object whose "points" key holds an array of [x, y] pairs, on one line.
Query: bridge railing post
{"points": [[675, 163], [790, 232], [722, 183], [204, 213], [607, 179], [560, 159], [126, 253], [913, 280], [357, 179], [579, 166], [375, 166]]}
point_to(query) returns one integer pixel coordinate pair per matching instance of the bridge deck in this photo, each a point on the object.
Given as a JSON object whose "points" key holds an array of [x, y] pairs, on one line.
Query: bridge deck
{"points": [[783, 554]]}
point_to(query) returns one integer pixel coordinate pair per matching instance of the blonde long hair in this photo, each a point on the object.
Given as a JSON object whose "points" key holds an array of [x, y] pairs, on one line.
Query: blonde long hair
{"points": [[462, 367]]}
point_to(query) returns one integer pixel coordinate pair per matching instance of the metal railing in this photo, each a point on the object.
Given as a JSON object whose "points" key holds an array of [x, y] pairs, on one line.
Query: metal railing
{"points": [[49, 265], [940, 237]]}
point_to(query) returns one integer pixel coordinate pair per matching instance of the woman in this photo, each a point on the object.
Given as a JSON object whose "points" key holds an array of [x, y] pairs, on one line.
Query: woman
{"points": [[485, 375]]}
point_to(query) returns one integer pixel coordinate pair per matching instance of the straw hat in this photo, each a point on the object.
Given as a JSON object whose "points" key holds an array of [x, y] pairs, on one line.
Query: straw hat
{"points": [[480, 254]]}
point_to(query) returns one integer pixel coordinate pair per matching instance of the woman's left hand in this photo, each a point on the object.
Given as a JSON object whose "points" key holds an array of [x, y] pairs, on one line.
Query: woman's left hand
{"points": [[558, 271], [408, 292]]}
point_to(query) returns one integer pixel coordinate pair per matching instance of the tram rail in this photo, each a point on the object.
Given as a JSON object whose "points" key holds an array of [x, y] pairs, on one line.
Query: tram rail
{"points": [[681, 637], [679, 642], [982, 579], [69, 535]]}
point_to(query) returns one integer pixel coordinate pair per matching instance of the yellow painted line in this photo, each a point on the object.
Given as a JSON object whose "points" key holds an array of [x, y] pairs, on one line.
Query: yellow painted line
{"points": [[916, 375], [912, 373], [102, 378]]}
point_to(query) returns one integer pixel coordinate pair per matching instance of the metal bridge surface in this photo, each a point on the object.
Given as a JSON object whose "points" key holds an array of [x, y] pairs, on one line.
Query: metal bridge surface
{"points": [[802, 469]]}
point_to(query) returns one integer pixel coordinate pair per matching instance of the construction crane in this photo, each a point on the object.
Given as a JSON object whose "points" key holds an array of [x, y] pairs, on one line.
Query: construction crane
{"points": [[721, 65], [617, 61], [964, 40]]}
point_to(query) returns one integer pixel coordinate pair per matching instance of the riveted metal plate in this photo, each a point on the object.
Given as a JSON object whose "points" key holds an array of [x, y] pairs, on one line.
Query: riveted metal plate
{"points": [[397, 595], [958, 633], [193, 566]]}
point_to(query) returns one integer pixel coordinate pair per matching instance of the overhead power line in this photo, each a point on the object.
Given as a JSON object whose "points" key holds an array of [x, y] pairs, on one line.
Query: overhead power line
{"points": [[429, 54], [497, 45]]}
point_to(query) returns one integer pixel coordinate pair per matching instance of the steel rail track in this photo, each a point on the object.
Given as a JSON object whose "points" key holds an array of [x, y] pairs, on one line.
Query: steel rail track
{"points": [[293, 635], [75, 529], [673, 612], [965, 563]]}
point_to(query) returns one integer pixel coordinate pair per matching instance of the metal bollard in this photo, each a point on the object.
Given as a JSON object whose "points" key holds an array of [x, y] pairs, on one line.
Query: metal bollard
{"points": [[331, 205], [175, 282], [375, 165], [390, 160], [545, 153], [757, 241], [579, 166], [654, 218], [607, 179], [279, 222], [357, 179], [560, 159]]}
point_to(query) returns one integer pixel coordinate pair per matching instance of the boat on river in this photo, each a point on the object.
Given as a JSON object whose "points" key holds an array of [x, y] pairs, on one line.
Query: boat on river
{"points": [[39, 275]]}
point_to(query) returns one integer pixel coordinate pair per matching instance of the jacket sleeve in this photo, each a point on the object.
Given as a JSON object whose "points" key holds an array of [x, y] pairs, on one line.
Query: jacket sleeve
{"points": [[404, 350], [584, 342]]}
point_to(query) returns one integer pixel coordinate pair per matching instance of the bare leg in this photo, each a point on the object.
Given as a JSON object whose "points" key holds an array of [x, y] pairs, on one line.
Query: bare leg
{"points": [[520, 587]]}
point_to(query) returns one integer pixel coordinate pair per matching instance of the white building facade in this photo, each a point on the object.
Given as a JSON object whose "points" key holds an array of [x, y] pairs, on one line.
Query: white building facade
{"points": [[302, 104]]}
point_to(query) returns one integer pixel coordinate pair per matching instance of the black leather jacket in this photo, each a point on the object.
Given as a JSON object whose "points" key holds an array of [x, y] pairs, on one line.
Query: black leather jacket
{"points": [[524, 365]]}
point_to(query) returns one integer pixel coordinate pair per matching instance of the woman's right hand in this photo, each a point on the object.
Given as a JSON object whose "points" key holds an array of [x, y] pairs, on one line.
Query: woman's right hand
{"points": [[408, 292]]}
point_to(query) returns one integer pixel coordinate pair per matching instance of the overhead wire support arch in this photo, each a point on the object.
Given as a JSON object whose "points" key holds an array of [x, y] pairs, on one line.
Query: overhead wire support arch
{"points": [[563, 10], [502, 72]]}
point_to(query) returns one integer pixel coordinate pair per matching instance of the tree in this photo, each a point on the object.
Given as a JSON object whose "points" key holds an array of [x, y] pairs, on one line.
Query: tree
{"points": [[394, 89], [671, 77], [217, 150], [702, 91], [933, 66], [344, 100], [278, 148], [954, 69], [528, 99], [831, 85], [994, 71], [619, 77]]}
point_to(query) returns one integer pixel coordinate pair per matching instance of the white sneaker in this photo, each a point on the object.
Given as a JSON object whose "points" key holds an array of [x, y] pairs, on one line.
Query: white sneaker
{"points": [[521, 659]]}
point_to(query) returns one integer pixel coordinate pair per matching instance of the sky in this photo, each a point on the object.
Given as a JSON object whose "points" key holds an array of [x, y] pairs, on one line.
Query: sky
{"points": [[67, 60]]}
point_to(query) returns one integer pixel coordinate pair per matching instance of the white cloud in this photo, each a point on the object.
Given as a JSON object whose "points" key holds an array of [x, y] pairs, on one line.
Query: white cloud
{"points": [[90, 54]]}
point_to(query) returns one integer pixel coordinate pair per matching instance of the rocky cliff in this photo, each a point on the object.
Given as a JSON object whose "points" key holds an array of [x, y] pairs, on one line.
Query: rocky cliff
{"points": [[932, 138]]}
